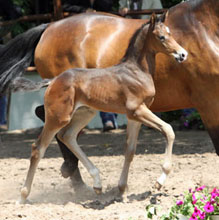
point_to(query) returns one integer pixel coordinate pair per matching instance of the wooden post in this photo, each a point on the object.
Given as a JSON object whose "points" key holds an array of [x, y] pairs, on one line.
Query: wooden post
{"points": [[58, 14]]}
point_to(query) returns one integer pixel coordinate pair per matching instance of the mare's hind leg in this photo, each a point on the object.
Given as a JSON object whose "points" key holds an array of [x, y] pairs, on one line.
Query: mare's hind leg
{"points": [[145, 116], [133, 128], [69, 136], [38, 151], [69, 167]]}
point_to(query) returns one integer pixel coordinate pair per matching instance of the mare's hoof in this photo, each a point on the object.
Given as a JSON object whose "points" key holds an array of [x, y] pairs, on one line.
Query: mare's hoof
{"points": [[98, 191], [158, 185], [66, 171]]}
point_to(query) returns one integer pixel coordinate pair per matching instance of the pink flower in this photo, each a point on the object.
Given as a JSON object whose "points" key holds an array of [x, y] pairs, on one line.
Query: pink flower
{"points": [[205, 197], [215, 191], [200, 188], [179, 202], [194, 200], [208, 207], [213, 196], [202, 215], [196, 211], [193, 217]]}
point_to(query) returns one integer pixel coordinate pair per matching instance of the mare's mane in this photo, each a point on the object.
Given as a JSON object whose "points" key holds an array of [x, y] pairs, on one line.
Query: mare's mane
{"points": [[192, 4], [195, 3]]}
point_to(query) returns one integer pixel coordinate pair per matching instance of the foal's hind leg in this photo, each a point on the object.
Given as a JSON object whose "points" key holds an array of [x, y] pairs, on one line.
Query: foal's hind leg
{"points": [[145, 116], [133, 128], [69, 167], [38, 151], [69, 136]]}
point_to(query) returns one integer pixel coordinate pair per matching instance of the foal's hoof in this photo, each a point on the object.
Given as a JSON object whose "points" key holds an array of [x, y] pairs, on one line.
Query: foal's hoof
{"points": [[21, 201], [98, 191], [23, 198], [158, 185]]}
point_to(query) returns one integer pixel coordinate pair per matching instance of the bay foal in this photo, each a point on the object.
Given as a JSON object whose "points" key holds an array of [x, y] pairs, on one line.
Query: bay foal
{"points": [[126, 88]]}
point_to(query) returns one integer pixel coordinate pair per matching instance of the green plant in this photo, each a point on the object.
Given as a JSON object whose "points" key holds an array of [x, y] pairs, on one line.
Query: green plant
{"points": [[171, 115], [26, 8], [192, 120], [196, 204]]}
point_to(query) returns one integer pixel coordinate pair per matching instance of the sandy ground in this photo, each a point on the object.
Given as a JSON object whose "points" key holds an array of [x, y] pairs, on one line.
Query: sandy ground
{"points": [[53, 198]]}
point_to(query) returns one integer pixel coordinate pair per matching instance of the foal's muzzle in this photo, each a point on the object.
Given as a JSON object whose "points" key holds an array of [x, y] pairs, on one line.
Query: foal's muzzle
{"points": [[181, 55]]}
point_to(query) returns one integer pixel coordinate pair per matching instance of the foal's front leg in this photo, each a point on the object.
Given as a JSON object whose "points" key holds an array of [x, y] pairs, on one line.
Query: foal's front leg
{"points": [[145, 116], [133, 128]]}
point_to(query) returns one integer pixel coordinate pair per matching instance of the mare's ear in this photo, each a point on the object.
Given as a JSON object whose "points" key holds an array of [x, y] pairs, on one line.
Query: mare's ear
{"points": [[153, 20], [164, 16]]}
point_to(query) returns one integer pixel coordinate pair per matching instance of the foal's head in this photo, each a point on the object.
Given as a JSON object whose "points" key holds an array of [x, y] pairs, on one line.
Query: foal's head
{"points": [[161, 39]]}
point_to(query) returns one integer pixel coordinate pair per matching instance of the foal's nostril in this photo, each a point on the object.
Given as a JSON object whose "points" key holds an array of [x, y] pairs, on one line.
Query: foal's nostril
{"points": [[183, 55]]}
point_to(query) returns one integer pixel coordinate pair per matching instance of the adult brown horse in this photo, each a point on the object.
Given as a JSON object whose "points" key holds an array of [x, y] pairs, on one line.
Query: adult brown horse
{"points": [[100, 40]]}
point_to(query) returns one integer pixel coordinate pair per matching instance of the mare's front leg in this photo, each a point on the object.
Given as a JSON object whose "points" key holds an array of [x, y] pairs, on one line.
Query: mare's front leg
{"points": [[133, 128], [145, 116], [69, 167], [69, 136]]}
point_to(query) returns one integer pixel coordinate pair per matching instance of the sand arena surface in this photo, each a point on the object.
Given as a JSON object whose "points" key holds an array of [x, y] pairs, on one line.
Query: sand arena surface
{"points": [[53, 198]]}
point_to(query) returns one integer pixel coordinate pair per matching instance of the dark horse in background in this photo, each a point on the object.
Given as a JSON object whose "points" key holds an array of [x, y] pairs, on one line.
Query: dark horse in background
{"points": [[100, 40]]}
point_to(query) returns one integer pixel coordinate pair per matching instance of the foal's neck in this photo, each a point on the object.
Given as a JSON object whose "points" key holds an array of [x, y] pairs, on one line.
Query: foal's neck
{"points": [[136, 45], [139, 49]]}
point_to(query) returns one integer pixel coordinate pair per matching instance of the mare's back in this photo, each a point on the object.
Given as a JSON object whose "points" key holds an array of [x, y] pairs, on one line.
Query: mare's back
{"points": [[85, 40]]}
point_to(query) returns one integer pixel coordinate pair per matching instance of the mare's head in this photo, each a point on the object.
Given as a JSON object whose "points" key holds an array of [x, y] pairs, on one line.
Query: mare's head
{"points": [[161, 39]]}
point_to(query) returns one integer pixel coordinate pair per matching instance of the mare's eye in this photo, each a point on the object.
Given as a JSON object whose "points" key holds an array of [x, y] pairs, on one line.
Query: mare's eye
{"points": [[162, 38]]}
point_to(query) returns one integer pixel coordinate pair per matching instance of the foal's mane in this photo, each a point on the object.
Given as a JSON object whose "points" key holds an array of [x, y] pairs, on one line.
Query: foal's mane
{"points": [[129, 50]]}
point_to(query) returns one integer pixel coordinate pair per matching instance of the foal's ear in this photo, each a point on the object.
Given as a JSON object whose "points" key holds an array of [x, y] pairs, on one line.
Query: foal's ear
{"points": [[164, 16], [153, 20]]}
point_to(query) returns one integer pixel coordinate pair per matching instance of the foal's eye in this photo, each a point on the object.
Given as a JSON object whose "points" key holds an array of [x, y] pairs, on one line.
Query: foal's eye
{"points": [[162, 38]]}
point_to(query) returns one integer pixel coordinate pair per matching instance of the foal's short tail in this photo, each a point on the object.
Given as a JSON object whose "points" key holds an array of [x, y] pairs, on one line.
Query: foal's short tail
{"points": [[21, 84], [17, 55]]}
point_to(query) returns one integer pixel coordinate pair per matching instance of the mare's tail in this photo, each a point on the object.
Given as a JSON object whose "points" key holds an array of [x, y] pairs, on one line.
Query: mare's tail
{"points": [[17, 55]]}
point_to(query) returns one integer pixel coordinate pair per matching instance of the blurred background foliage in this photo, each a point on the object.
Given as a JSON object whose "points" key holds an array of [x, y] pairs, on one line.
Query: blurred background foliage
{"points": [[27, 8], [170, 3]]}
